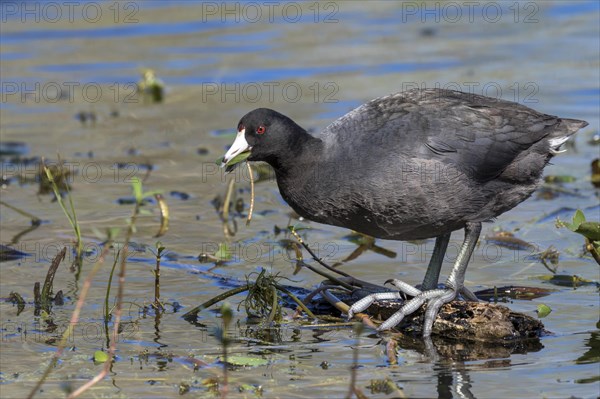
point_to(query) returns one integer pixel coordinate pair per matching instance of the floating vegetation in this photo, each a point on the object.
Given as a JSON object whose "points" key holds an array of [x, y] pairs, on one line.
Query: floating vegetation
{"points": [[589, 230], [246, 361], [549, 257], [100, 357], [543, 310], [263, 298], [568, 280], [151, 88], [559, 179], [508, 240], [503, 294]]}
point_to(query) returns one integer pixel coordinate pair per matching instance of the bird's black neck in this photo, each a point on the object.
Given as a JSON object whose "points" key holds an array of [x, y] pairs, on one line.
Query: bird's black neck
{"points": [[302, 152]]}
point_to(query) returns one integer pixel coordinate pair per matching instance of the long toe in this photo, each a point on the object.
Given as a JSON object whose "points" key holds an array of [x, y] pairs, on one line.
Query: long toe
{"points": [[404, 287], [434, 298], [433, 308], [365, 302]]}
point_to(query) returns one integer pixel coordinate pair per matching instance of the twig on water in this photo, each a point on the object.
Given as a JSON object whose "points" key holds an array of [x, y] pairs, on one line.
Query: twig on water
{"points": [[251, 194]]}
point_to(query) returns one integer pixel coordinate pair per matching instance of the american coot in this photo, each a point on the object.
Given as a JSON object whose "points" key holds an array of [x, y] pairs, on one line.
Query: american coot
{"points": [[411, 165]]}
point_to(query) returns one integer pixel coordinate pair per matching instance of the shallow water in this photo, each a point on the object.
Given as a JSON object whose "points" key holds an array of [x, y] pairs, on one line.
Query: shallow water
{"points": [[216, 67]]}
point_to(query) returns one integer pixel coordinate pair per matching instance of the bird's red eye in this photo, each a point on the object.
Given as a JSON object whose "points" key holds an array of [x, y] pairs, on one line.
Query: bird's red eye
{"points": [[241, 127], [260, 130]]}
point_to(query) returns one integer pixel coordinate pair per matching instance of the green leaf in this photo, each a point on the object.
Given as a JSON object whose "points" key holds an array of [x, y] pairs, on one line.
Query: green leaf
{"points": [[590, 230], [247, 361], [543, 310], [242, 156], [100, 356], [136, 185], [578, 218], [223, 253]]}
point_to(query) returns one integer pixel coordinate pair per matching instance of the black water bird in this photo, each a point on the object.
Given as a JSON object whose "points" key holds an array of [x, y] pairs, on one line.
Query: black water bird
{"points": [[412, 165]]}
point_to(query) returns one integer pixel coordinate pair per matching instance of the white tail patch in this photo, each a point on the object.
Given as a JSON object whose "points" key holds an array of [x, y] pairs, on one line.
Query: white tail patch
{"points": [[555, 144]]}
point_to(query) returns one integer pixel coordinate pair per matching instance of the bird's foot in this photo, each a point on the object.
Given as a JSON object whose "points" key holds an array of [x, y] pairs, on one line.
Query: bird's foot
{"points": [[435, 299], [413, 291]]}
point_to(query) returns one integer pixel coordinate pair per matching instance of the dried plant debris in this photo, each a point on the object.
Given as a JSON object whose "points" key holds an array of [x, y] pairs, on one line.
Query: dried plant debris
{"points": [[16, 299], [468, 321], [508, 240]]}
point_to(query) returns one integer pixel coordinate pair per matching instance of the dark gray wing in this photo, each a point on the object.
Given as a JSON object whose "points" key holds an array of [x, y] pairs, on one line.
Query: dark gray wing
{"points": [[478, 135]]}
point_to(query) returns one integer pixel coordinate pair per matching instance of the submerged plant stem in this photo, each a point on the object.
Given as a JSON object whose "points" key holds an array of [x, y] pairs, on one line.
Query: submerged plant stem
{"points": [[297, 300], [35, 221], [108, 286], [315, 257], [226, 203], [71, 216], [218, 298]]}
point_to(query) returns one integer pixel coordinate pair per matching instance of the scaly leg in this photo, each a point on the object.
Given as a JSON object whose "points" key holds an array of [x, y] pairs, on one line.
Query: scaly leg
{"points": [[432, 275], [435, 297]]}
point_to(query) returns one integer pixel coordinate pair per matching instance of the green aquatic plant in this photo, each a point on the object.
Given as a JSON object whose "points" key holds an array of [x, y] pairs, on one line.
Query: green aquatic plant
{"points": [[589, 230], [70, 213]]}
